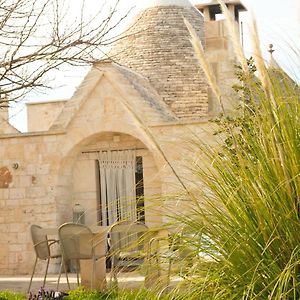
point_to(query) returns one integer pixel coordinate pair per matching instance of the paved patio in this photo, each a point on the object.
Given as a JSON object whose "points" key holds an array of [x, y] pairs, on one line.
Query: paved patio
{"points": [[20, 283]]}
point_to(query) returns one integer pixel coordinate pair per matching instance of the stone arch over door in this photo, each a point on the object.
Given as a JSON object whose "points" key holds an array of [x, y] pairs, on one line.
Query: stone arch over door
{"points": [[76, 182]]}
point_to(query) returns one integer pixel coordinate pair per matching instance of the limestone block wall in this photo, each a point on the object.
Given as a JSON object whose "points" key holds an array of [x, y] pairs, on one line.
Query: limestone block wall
{"points": [[85, 187], [41, 115], [180, 141], [47, 180], [29, 196]]}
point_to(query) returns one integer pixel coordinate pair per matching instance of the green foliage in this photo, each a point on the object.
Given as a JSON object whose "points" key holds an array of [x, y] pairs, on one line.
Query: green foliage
{"points": [[7, 295], [250, 217], [86, 294], [83, 294], [248, 90], [244, 88], [141, 294]]}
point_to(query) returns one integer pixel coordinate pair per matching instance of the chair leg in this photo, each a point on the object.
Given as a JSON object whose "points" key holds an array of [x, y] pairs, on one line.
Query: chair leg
{"points": [[59, 275], [157, 264], [93, 272], [77, 271], [32, 274], [113, 273], [67, 277], [65, 269], [169, 270], [45, 277], [112, 269]]}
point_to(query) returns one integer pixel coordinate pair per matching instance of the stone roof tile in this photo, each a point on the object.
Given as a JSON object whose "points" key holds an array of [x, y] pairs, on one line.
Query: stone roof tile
{"points": [[157, 46]]}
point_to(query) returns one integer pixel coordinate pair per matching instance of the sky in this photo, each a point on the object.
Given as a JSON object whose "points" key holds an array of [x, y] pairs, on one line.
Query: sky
{"points": [[278, 24]]}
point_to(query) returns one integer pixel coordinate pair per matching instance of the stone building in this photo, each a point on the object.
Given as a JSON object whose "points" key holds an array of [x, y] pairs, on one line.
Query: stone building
{"points": [[107, 146]]}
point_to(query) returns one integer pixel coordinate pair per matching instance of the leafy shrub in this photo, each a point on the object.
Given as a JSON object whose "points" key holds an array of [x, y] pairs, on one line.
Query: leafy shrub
{"points": [[141, 294], [8, 295], [83, 294]]}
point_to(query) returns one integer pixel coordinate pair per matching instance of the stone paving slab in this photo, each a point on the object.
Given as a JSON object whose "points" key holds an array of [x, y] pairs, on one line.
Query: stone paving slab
{"points": [[20, 283]]}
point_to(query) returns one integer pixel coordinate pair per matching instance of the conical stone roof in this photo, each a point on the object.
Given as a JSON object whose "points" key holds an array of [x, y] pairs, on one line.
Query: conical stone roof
{"points": [[157, 46]]}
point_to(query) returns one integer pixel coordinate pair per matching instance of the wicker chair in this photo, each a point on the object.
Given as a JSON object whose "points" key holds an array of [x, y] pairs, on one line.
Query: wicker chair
{"points": [[77, 243], [41, 245], [127, 242]]}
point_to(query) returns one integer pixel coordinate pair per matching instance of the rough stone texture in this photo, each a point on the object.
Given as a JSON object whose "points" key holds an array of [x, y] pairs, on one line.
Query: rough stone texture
{"points": [[157, 46], [41, 115], [148, 94], [26, 200], [220, 54]]}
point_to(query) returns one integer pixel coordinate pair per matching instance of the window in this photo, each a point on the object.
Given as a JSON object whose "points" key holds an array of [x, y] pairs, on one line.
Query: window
{"points": [[139, 190]]}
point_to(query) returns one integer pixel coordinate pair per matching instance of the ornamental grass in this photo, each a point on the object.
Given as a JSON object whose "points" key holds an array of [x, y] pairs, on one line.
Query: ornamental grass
{"points": [[248, 203]]}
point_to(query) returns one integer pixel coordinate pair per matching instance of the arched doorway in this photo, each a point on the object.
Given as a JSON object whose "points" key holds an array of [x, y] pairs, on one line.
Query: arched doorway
{"points": [[122, 189]]}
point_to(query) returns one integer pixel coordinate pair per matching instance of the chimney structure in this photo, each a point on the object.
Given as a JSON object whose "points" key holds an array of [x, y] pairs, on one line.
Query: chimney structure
{"points": [[219, 49], [211, 9]]}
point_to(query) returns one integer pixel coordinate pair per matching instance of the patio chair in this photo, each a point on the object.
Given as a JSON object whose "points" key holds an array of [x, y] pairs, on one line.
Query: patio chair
{"points": [[41, 245], [127, 241], [77, 243], [179, 248]]}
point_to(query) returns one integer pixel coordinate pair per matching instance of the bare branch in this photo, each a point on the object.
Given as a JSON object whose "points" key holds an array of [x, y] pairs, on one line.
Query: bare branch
{"points": [[38, 36]]}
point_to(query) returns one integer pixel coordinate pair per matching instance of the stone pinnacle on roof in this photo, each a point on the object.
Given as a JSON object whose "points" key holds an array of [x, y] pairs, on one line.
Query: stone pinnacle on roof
{"points": [[272, 62], [155, 3], [278, 72], [157, 46]]}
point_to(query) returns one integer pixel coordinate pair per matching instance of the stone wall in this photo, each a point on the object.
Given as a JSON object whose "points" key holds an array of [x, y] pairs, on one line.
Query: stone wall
{"points": [[41, 115], [29, 198]]}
